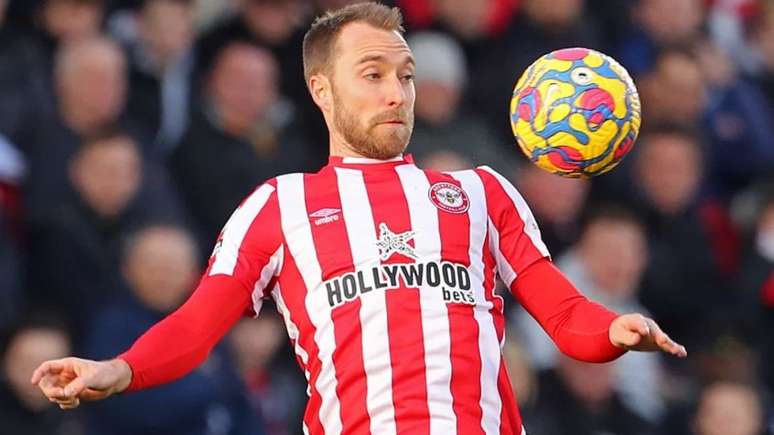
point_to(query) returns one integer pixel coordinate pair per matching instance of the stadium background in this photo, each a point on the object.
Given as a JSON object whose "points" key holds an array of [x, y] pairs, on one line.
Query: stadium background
{"points": [[130, 129]]}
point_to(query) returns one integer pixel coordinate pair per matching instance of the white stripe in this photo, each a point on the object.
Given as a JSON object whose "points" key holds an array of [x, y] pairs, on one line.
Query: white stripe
{"points": [[271, 269], [235, 229], [298, 234], [488, 344], [292, 332], [530, 225], [435, 317], [504, 269], [361, 232]]}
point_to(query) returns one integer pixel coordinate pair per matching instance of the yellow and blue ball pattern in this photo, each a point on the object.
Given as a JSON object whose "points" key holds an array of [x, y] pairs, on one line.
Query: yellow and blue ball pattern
{"points": [[575, 112]]}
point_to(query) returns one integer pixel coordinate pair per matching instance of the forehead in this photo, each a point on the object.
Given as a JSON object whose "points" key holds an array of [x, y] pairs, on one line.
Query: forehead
{"points": [[358, 40]]}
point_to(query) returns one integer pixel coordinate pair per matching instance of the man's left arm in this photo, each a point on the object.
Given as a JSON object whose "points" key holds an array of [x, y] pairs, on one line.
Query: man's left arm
{"points": [[581, 329]]}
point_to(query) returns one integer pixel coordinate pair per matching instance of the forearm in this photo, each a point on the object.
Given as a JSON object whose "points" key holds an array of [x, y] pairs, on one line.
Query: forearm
{"points": [[182, 341], [579, 327]]}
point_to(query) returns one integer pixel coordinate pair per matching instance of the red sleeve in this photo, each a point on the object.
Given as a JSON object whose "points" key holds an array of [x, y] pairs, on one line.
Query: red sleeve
{"points": [[182, 341], [247, 257], [578, 326]]}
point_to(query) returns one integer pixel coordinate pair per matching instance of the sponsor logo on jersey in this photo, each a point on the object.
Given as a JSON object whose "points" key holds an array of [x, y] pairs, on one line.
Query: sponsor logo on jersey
{"points": [[449, 197], [391, 243], [451, 279], [325, 215]]}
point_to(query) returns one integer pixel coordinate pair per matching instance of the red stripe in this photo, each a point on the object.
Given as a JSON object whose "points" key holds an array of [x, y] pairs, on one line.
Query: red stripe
{"points": [[497, 310], [335, 257], [404, 321], [463, 328], [293, 291], [510, 418], [515, 245]]}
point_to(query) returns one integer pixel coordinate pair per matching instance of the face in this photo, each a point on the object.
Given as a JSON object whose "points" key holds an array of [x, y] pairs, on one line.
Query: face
{"points": [[468, 18], [26, 351], [593, 383], [554, 12], [669, 171], [92, 88], [161, 268], [614, 253], [167, 27], [68, 20], [671, 21], [728, 409], [371, 111], [556, 200], [108, 176], [256, 341], [243, 86], [273, 22]]}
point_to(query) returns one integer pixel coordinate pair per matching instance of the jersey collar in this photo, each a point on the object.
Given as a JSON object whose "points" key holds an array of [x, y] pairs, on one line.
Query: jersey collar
{"points": [[364, 162]]}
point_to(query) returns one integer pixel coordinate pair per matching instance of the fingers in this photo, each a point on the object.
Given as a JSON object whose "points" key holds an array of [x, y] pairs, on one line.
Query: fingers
{"points": [[664, 342], [74, 388], [47, 368]]}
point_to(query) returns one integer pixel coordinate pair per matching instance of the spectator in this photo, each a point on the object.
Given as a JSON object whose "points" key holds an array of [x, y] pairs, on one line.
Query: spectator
{"points": [[23, 410], [275, 386], [578, 398], [442, 123], [675, 90], [607, 265], [76, 247], [728, 408], [241, 136], [160, 268], [90, 80], [160, 72], [443, 160]]}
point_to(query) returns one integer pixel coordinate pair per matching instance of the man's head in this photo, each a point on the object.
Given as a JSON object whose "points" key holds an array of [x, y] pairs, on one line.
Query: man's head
{"points": [[107, 173], [728, 408], [675, 90], [243, 85], [160, 266], [166, 27], [70, 20], [360, 71], [613, 249], [669, 167], [91, 83], [272, 21], [29, 344]]}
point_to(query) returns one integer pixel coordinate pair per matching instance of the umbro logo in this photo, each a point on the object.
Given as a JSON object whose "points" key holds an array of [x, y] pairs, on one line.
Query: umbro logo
{"points": [[325, 215]]}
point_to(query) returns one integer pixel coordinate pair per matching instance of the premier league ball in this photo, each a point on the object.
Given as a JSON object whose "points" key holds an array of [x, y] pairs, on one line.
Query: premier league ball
{"points": [[575, 112]]}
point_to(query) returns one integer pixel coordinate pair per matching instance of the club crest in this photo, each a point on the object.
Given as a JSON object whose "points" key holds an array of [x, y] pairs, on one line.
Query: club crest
{"points": [[449, 197]]}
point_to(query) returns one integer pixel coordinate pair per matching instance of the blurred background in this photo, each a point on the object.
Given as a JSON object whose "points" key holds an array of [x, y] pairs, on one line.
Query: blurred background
{"points": [[130, 129]]}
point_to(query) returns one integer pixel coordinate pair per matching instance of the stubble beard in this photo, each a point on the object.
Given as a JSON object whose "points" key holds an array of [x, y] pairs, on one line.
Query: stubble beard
{"points": [[368, 141]]}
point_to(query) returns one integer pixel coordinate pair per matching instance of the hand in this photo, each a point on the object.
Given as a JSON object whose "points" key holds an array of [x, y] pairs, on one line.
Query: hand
{"points": [[637, 332], [68, 381]]}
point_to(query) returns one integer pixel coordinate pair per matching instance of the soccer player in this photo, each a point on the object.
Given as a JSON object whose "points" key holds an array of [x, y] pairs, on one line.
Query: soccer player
{"points": [[384, 272]]}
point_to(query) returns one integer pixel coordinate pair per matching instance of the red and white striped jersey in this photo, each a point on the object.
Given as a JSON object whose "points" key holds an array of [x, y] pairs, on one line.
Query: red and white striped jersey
{"points": [[385, 275]]}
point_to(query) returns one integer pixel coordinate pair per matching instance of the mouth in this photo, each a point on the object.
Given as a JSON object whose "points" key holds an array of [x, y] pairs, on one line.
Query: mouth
{"points": [[393, 122]]}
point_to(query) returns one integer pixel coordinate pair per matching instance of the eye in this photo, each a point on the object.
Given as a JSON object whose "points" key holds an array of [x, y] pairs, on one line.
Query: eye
{"points": [[581, 76], [408, 77], [372, 76]]}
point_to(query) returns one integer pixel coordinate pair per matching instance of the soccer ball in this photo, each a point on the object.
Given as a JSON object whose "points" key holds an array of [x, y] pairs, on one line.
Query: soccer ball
{"points": [[575, 112]]}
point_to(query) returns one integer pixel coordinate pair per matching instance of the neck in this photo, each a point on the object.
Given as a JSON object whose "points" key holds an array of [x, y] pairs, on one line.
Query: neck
{"points": [[339, 147]]}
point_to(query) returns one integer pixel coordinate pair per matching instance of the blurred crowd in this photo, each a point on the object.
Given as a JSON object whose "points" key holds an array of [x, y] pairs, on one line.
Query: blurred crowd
{"points": [[131, 129]]}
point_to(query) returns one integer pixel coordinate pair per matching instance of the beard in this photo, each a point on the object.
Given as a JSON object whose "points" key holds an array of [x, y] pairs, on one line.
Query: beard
{"points": [[374, 140]]}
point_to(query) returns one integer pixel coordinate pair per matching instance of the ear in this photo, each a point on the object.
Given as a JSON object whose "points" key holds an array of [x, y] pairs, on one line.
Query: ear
{"points": [[320, 88]]}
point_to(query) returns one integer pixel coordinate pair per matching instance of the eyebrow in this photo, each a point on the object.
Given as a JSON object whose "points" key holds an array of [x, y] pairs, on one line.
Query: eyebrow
{"points": [[382, 58]]}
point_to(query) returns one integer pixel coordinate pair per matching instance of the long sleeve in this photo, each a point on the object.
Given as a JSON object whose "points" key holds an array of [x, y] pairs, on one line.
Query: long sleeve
{"points": [[578, 326], [244, 265]]}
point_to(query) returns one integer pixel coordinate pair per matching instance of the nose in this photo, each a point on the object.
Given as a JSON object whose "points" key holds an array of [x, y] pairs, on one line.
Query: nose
{"points": [[395, 93]]}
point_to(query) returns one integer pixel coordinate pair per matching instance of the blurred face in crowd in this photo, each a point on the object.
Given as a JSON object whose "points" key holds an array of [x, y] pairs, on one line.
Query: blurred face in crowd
{"points": [[554, 13], [555, 200], [107, 175], [160, 267], [669, 171], [273, 21], [614, 252], [368, 96], [243, 86], [91, 84], [69, 20], [438, 101], [256, 341], [675, 89], [764, 38], [3, 5], [166, 27], [728, 409], [26, 350], [764, 234], [670, 21], [467, 18], [446, 160], [591, 383]]}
